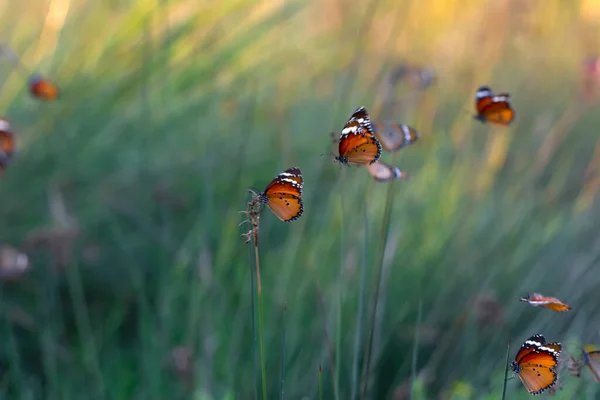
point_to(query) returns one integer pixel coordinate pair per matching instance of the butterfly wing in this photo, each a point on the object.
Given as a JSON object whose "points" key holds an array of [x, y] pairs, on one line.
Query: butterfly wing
{"points": [[383, 172], [483, 98], [360, 149], [283, 195], [499, 113], [592, 360], [535, 363], [7, 138], [42, 88], [552, 303], [393, 136]]}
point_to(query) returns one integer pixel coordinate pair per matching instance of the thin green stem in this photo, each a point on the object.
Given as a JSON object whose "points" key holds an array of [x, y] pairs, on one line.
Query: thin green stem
{"points": [[254, 338], [283, 352], [384, 238], [413, 368], [259, 298], [320, 382], [339, 297], [506, 369], [361, 307]]}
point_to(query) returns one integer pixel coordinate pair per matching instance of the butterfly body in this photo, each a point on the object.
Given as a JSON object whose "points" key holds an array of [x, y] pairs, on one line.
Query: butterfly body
{"points": [[535, 364], [493, 108], [283, 195], [552, 303], [358, 144]]}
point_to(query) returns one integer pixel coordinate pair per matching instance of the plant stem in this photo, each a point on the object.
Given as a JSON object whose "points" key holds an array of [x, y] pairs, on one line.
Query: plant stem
{"points": [[413, 368], [320, 382], [384, 237], [260, 319], [283, 352], [506, 369], [253, 308]]}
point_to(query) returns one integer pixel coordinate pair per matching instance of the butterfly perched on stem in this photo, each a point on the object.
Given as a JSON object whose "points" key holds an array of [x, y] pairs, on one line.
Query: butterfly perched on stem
{"points": [[493, 108], [42, 88], [552, 303], [535, 364], [393, 136], [383, 172], [358, 144], [283, 195]]}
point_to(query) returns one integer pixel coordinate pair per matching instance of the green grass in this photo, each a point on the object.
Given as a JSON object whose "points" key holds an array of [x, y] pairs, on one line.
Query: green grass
{"points": [[171, 110]]}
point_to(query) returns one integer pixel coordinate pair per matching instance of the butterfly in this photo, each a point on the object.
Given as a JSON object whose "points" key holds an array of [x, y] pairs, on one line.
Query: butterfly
{"points": [[493, 108], [358, 144], [393, 136], [383, 172], [283, 195], [7, 138], [592, 360], [536, 299], [42, 88], [535, 364], [13, 263]]}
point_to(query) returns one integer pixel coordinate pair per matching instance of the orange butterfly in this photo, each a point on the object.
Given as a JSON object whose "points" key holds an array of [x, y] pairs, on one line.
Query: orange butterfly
{"points": [[7, 138], [383, 172], [358, 144], [42, 89], [493, 108], [535, 364], [536, 299], [283, 195], [592, 360], [393, 136]]}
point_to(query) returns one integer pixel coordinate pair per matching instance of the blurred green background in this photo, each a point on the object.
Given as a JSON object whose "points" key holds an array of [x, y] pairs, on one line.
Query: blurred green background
{"points": [[126, 193]]}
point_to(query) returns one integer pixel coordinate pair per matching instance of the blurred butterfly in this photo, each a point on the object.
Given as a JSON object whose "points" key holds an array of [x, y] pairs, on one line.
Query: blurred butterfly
{"points": [[358, 144], [13, 263], [393, 136], [493, 108], [535, 364], [7, 138], [42, 88], [592, 360], [574, 366], [383, 172], [537, 300], [283, 195]]}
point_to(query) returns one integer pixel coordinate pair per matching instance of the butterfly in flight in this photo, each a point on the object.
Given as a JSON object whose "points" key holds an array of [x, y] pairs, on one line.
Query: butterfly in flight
{"points": [[592, 360], [537, 300], [493, 108], [283, 195], [7, 143], [42, 88], [393, 136], [383, 172], [535, 364], [358, 144]]}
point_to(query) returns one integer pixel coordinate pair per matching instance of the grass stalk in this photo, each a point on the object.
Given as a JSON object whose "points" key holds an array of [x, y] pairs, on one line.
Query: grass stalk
{"points": [[282, 352], [413, 366], [327, 339], [253, 217], [506, 370], [385, 229], [339, 297], [361, 308], [320, 382], [253, 314]]}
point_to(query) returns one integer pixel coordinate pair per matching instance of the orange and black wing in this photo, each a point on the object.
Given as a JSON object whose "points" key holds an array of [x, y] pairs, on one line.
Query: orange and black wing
{"points": [[483, 98], [393, 136], [359, 148], [42, 88], [283, 195], [552, 303], [592, 361], [498, 112], [363, 119], [7, 138], [383, 172], [535, 364]]}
